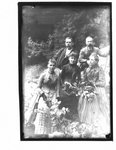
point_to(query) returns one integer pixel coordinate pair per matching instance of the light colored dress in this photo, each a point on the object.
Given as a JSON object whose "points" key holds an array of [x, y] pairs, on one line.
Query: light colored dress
{"points": [[49, 84], [93, 104]]}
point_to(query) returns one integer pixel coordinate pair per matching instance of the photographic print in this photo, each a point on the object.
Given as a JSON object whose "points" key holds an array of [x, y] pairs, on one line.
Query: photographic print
{"points": [[65, 71]]}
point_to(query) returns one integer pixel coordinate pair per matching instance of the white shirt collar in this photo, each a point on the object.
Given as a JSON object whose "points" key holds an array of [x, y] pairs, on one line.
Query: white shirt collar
{"points": [[68, 52]]}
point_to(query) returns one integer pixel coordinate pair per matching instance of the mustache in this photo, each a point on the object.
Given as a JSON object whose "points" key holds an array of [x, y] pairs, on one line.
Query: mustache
{"points": [[90, 44]]}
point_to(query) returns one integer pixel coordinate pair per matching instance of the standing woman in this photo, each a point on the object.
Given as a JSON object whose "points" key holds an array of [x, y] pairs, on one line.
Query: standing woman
{"points": [[70, 77], [49, 89], [93, 105]]}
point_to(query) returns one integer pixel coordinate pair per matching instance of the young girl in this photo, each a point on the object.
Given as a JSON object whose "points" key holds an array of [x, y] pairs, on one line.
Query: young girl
{"points": [[49, 90], [70, 77], [93, 104]]}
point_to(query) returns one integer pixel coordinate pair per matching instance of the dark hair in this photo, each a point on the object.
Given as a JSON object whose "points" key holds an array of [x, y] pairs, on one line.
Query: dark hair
{"points": [[52, 61], [73, 54]]}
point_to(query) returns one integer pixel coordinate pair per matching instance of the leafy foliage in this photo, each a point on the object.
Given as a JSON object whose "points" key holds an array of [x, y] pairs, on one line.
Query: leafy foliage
{"points": [[78, 24], [35, 50]]}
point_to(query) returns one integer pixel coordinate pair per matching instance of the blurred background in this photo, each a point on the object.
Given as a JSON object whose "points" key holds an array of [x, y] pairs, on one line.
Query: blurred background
{"points": [[45, 27], [43, 32]]}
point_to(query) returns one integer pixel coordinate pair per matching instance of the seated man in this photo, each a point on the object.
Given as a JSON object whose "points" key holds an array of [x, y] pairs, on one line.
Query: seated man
{"points": [[87, 51]]}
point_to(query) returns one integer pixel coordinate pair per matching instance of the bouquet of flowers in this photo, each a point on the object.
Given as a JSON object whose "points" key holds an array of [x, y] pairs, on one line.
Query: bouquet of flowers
{"points": [[58, 117], [70, 89], [87, 89], [79, 130]]}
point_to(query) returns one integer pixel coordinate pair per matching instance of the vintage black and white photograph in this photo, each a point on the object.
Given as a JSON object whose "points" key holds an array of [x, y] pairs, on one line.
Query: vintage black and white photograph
{"points": [[65, 70]]}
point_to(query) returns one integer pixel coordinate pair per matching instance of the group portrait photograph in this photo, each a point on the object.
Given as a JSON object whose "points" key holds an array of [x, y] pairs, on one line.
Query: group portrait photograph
{"points": [[65, 70]]}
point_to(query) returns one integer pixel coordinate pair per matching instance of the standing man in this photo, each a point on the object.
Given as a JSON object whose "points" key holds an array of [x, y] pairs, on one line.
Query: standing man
{"points": [[62, 56], [86, 52]]}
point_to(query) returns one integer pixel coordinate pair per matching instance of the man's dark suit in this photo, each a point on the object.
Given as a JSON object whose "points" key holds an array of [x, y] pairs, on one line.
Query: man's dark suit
{"points": [[60, 58]]}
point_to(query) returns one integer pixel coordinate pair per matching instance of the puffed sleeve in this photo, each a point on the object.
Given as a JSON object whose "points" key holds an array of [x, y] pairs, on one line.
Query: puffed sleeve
{"points": [[40, 81], [58, 87], [83, 76], [101, 78]]}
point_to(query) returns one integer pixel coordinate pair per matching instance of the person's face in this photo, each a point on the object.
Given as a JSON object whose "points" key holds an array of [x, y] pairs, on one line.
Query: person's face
{"points": [[51, 66], [92, 61], [89, 42], [72, 60], [68, 43]]}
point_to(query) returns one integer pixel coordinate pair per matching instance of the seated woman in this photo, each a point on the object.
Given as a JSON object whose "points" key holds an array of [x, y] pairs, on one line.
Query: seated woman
{"points": [[49, 91], [93, 105], [70, 77]]}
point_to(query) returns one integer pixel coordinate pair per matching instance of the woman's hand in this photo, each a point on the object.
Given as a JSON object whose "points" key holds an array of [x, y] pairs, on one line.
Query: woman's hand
{"points": [[41, 92], [88, 62], [58, 98]]}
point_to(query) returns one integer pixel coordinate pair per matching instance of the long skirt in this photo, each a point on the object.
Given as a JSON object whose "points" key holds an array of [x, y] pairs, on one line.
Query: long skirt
{"points": [[43, 124], [70, 102], [95, 112]]}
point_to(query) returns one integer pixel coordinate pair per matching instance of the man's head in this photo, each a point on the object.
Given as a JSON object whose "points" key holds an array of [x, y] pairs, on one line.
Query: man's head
{"points": [[89, 41], [73, 58], [69, 42]]}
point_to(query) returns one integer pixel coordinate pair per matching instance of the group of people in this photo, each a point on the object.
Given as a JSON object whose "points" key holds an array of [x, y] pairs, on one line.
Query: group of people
{"points": [[78, 82]]}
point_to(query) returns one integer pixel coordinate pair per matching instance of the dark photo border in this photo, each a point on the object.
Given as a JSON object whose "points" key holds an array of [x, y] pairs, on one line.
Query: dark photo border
{"points": [[20, 68]]}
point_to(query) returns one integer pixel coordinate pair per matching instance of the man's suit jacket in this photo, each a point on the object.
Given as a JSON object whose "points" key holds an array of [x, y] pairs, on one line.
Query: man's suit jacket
{"points": [[60, 58]]}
